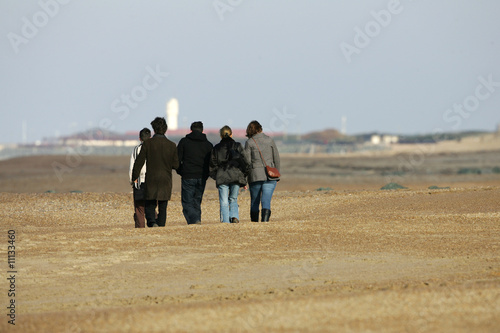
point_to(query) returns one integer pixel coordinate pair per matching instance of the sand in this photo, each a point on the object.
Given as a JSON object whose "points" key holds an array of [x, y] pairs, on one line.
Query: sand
{"points": [[350, 259]]}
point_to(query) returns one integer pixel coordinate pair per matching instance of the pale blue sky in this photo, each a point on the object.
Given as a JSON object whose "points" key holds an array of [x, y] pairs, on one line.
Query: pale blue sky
{"points": [[294, 65]]}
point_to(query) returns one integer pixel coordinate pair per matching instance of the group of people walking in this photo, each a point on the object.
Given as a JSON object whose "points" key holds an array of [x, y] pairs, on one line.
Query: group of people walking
{"points": [[229, 163]]}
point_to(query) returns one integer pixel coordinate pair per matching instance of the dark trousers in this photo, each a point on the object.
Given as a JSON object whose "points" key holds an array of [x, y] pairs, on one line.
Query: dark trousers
{"points": [[139, 213], [151, 212], [192, 195]]}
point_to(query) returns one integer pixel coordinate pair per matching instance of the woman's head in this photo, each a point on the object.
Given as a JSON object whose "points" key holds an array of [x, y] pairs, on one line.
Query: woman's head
{"points": [[253, 128], [226, 132]]}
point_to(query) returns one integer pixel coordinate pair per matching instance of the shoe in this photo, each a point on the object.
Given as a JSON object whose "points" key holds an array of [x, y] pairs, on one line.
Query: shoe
{"points": [[266, 214], [234, 220], [155, 225], [254, 216]]}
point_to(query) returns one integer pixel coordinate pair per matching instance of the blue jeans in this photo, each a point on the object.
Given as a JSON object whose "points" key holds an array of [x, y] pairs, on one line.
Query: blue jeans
{"points": [[191, 197], [261, 192], [228, 199]]}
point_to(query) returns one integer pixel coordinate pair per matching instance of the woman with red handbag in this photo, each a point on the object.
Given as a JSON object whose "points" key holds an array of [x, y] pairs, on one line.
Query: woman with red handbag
{"points": [[264, 171]]}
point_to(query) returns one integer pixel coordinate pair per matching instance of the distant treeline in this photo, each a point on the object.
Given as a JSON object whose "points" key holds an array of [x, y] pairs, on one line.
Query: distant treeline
{"points": [[431, 138]]}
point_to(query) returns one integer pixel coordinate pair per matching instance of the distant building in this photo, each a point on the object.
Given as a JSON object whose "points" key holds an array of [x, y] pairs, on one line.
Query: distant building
{"points": [[390, 139], [377, 139], [99, 138]]}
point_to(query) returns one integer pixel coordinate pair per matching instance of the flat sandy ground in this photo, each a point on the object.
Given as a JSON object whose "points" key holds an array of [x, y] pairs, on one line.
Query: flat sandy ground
{"points": [[339, 255]]}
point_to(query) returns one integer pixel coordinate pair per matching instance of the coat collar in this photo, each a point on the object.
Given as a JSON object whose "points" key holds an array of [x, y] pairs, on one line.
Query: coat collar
{"points": [[197, 136], [258, 135]]}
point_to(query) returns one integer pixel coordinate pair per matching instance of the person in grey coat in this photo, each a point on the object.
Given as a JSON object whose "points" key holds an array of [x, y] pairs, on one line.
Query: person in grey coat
{"points": [[228, 166], [261, 186]]}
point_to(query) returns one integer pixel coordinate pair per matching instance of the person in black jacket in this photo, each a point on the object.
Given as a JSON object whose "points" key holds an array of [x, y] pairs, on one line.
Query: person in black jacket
{"points": [[229, 167], [194, 155]]}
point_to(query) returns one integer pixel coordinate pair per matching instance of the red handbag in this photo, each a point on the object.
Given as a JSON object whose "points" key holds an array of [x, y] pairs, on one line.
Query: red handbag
{"points": [[270, 171]]}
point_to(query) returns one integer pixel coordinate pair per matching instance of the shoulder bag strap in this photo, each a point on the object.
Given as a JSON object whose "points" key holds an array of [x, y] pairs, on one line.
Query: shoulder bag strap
{"points": [[263, 160]]}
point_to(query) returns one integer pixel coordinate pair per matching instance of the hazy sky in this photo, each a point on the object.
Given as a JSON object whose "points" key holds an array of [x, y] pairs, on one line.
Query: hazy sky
{"points": [[295, 65]]}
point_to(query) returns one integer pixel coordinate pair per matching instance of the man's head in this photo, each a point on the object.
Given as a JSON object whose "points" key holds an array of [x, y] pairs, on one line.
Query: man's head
{"points": [[197, 126], [159, 125], [144, 134]]}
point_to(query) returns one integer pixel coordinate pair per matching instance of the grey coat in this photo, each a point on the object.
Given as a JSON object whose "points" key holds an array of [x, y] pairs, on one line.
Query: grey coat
{"points": [[269, 151]]}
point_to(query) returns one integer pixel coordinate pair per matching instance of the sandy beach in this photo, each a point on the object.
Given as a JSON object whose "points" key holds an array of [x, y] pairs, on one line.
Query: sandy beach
{"points": [[339, 254]]}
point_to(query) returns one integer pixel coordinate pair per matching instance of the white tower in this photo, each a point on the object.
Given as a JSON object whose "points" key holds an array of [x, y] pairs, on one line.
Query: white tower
{"points": [[343, 127], [24, 132], [173, 114]]}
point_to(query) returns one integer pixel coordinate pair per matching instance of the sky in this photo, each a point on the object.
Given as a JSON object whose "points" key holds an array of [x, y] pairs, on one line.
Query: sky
{"points": [[296, 66]]}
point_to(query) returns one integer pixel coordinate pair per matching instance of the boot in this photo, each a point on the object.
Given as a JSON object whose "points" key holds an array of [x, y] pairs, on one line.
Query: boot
{"points": [[254, 216], [266, 214]]}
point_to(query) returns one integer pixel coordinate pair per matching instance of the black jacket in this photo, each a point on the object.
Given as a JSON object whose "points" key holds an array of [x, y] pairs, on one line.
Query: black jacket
{"points": [[194, 155], [229, 163]]}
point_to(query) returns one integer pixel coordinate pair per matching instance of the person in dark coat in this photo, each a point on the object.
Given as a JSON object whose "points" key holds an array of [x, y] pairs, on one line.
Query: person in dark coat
{"points": [[161, 156], [260, 184], [194, 156], [228, 166]]}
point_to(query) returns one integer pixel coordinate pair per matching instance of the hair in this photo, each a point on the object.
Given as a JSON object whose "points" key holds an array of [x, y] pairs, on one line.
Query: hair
{"points": [[159, 125], [225, 132], [144, 134], [253, 128], [197, 126]]}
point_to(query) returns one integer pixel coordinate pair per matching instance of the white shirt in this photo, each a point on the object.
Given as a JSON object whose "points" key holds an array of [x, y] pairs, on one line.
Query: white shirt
{"points": [[142, 175]]}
